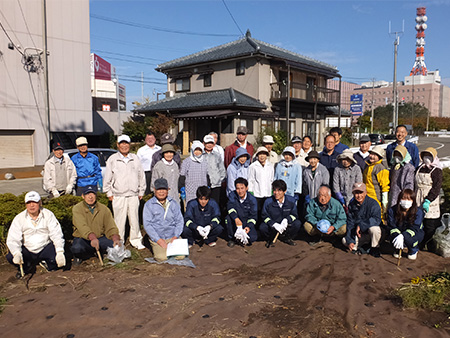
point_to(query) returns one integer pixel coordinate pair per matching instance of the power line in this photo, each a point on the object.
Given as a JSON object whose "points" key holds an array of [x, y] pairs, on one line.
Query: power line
{"points": [[132, 61], [26, 24], [160, 29], [130, 80], [136, 44], [127, 55], [232, 17], [10, 40], [139, 77]]}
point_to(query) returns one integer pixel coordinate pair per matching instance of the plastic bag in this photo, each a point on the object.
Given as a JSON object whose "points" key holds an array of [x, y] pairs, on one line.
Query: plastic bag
{"points": [[323, 225], [442, 237], [117, 254]]}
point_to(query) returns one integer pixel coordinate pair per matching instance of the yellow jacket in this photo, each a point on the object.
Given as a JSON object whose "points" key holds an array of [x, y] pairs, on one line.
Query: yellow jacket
{"points": [[376, 178]]}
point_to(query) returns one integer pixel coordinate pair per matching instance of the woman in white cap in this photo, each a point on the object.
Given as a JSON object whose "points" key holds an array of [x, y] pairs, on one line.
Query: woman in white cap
{"points": [[428, 187], [194, 171], [290, 171], [376, 179], [346, 174], [401, 174]]}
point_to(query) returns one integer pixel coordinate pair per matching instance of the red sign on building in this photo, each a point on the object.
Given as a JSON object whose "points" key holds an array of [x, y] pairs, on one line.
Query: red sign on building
{"points": [[100, 67]]}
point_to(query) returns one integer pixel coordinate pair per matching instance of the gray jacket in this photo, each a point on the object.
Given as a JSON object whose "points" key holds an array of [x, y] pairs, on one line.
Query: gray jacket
{"points": [[216, 168], [311, 184], [171, 173], [343, 180]]}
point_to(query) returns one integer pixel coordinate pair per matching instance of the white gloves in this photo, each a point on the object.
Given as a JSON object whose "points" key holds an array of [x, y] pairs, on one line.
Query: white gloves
{"points": [[385, 200], [60, 259], [398, 242], [55, 193], [18, 259], [241, 235], [69, 189], [284, 223], [281, 227], [204, 231]]}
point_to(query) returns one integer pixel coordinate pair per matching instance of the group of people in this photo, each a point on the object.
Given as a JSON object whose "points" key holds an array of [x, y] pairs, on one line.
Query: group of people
{"points": [[237, 193]]}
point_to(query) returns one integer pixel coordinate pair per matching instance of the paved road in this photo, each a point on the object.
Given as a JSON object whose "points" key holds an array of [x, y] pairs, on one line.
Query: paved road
{"points": [[441, 144]]}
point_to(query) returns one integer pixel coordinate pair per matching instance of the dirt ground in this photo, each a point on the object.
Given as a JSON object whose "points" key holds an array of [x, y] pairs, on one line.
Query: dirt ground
{"points": [[282, 291]]}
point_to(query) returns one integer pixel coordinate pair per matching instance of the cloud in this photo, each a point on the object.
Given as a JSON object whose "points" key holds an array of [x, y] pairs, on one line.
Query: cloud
{"points": [[360, 9]]}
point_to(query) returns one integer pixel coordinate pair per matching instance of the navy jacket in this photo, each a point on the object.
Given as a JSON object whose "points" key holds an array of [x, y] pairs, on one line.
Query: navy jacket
{"points": [[246, 211], [195, 216], [272, 213], [366, 215], [412, 150], [360, 160], [330, 162], [408, 230]]}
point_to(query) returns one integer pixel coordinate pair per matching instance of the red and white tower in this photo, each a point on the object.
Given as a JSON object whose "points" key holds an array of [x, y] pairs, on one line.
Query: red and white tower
{"points": [[419, 67]]}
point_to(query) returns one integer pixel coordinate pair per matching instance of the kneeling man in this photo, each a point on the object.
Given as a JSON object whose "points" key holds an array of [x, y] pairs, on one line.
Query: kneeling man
{"points": [[94, 227], [325, 216], [242, 214], [202, 219], [363, 222], [163, 220], [35, 235], [279, 214]]}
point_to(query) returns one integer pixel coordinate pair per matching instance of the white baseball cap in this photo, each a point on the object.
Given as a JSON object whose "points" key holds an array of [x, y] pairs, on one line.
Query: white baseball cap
{"points": [[32, 196], [124, 138], [268, 139], [208, 139]]}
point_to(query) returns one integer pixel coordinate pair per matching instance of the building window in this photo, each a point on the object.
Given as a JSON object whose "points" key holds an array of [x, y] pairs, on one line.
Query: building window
{"points": [[183, 85], [266, 124], [240, 68], [291, 129], [207, 80], [247, 123]]}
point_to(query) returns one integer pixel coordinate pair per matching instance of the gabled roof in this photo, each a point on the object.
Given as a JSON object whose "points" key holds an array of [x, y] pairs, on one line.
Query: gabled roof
{"points": [[246, 46], [216, 99]]}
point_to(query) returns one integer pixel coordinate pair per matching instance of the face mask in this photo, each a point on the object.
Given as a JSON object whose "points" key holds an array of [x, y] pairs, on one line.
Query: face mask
{"points": [[406, 204], [427, 160], [397, 160]]}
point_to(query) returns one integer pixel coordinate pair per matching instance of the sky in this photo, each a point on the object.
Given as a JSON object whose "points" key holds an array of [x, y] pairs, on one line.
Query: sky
{"points": [[136, 36]]}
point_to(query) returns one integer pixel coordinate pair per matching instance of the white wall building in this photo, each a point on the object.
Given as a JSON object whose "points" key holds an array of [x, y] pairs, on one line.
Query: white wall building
{"points": [[24, 131]]}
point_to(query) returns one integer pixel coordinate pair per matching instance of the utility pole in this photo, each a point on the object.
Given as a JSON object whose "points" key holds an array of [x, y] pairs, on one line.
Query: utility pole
{"points": [[47, 93], [371, 118], [396, 43], [288, 104]]}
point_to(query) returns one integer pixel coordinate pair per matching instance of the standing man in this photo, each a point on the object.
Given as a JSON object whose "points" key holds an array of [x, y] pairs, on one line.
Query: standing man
{"points": [[94, 227], [297, 143], [35, 235], [241, 142], [216, 169], [125, 186], [88, 166], [337, 133], [268, 142], [166, 138], [363, 222], [328, 157], [60, 173], [400, 134], [145, 154], [279, 214], [362, 155], [163, 221]]}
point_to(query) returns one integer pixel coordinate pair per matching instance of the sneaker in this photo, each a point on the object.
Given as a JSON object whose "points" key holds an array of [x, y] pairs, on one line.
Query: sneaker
{"points": [[375, 252], [140, 247], [189, 246], [395, 255], [212, 244], [231, 243], [413, 255], [77, 261], [289, 241]]}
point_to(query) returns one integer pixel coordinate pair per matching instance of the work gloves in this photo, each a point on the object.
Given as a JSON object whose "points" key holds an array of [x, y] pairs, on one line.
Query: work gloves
{"points": [[241, 235], [60, 259], [204, 231], [307, 199], [55, 193], [385, 200], [398, 242], [69, 189], [17, 258], [281, 227], [340, 198], [426, 205], [183, 193]]}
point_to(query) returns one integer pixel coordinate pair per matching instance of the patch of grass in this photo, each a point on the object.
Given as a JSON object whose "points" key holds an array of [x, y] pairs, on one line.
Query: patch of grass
{"points": [[3, 302], [430, 292]]}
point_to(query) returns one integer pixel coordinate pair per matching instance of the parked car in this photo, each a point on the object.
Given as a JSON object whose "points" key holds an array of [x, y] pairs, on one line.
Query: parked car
{"points": [[376, 139], [102, 153], [389, 138]]}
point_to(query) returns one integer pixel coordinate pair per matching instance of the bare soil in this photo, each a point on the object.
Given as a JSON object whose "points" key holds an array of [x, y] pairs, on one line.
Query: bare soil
{"points": [[282, 291]]}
